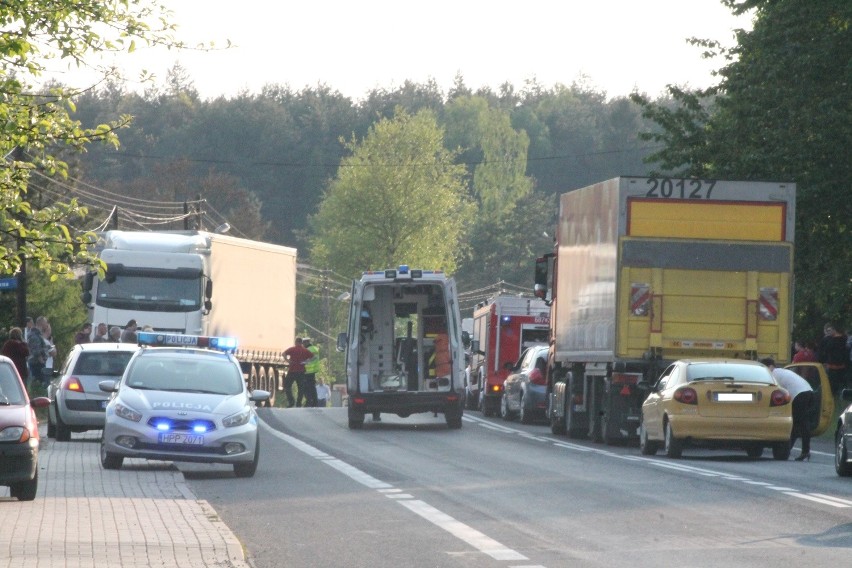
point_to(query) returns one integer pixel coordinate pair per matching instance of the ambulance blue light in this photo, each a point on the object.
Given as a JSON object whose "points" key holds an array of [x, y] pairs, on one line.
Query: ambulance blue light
{"points": [[505, 320], [403, 269]]}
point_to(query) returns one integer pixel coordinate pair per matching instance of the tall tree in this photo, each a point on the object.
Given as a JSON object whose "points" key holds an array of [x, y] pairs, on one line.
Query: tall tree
{"points": [[782, 111], [36, 125], [399, 198]]}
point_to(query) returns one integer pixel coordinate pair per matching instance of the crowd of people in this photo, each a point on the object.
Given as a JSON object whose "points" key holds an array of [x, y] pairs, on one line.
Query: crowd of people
{"points": [[33, 350], [834, 351]]}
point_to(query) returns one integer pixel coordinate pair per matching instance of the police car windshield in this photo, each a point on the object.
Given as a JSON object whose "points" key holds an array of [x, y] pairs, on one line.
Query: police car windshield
{"points": [[185, 374]]}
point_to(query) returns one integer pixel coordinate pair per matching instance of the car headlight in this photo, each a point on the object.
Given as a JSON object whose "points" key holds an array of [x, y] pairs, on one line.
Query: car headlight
{"points": [[237, 419], [127, 413], [12, 434]]}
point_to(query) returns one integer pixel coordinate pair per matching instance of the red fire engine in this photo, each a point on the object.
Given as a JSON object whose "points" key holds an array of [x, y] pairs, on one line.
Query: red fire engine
{"points": [[502, 328]]}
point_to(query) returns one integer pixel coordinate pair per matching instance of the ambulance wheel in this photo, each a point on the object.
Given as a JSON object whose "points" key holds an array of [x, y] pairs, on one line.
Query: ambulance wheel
{"points": [[356, 420]]}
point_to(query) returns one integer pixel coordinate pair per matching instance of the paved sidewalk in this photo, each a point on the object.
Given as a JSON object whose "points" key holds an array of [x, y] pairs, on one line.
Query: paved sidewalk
{"points": [[83, 516]]}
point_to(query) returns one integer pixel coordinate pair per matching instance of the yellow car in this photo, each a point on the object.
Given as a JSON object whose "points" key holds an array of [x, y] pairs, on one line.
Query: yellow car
{"points": [[716, 404]]}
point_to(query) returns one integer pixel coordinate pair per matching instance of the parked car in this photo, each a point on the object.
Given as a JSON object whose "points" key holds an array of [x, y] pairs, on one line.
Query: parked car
{"points": [[183, 398], [525, 389], [78, 402], [716, 403], [19, 439], [843, 438]]}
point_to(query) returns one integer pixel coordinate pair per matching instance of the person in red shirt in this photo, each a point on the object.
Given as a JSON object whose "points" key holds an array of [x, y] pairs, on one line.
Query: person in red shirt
{"points": [[804, 352], [296, 357]]}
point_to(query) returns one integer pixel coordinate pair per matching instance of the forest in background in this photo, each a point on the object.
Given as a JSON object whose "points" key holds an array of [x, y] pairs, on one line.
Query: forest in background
{"points": [[263, 161]]}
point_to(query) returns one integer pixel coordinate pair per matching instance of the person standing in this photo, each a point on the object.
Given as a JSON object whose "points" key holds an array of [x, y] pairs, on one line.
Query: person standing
{"points": [[38, 350], [16, 349], [100, 333], [804, 352], [312, 367], [129, 333], [296, 357], [834, 357], [84, 335], [47, 335], [29, 325], [114, 334], [803, 396], [323, 393]]}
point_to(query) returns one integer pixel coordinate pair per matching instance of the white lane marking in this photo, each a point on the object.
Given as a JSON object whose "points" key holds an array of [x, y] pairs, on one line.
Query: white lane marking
{"points": [[816, 499], [456, 528], [845, 502], [460, 530]]}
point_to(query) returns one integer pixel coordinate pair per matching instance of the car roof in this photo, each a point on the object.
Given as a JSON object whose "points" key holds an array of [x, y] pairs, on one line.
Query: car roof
{"points": [[720, 361], [105, 346]]}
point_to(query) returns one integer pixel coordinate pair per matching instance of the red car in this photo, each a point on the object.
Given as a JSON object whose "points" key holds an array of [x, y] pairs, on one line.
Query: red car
{"points": [[19, 438]]}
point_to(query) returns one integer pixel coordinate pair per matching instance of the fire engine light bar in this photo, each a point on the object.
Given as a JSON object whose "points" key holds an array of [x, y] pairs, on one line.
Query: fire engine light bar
{"points": [[153, 339]]}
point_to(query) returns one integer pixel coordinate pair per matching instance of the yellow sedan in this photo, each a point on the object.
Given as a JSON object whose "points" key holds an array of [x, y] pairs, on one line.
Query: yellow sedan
{"points": [[716, 404]]}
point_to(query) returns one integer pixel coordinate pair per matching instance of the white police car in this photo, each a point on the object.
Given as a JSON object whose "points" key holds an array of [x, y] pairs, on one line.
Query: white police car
{"points": [[182, 398]]}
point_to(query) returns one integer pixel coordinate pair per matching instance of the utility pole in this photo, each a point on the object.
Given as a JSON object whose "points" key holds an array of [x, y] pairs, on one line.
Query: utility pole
{"points": [[326, 313], [21, 290]]}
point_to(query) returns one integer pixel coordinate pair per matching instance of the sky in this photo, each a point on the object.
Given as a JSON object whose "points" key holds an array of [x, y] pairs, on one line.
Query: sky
{"points": [[353, 46]]}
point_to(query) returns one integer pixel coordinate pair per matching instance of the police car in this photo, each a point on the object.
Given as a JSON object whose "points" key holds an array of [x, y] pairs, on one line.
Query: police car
{"points": [[182, 398]]}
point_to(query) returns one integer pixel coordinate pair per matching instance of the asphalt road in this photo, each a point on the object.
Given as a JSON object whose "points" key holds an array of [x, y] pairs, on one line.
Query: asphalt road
{"points": [[410, 492]]}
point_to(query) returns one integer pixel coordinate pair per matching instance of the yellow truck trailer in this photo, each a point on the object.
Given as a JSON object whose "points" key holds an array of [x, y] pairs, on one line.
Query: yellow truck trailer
{"points": [[649, 270]]}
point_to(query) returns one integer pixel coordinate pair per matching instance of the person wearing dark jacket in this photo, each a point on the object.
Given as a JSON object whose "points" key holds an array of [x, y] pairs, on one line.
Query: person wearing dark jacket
{"points": [[834, 357], [17, 350]]}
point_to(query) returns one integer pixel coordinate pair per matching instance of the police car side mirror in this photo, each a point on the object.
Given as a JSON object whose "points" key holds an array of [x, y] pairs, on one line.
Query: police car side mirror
{"points": [[259, 396], [108, 386], [342, 340]]}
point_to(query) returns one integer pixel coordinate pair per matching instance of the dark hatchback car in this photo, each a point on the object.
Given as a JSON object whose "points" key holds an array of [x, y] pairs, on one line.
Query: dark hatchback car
{"points": [[19, 439]]}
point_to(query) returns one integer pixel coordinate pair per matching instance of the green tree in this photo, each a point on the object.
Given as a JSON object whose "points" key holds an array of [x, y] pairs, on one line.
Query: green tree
{"points": [[781, 111], [397, 199], [38, 124]]}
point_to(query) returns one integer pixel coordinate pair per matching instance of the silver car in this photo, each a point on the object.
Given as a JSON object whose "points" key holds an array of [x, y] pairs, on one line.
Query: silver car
{"points": [[182, 404], [77, 402]]}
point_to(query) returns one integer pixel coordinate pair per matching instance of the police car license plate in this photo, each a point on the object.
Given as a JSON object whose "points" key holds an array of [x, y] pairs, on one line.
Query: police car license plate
{"points": [[180, 438]]}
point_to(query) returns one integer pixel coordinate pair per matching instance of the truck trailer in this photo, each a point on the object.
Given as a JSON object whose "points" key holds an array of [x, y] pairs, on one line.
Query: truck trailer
{"points": [[404, 350], [200, 283], [646, 271], [502, 328]]}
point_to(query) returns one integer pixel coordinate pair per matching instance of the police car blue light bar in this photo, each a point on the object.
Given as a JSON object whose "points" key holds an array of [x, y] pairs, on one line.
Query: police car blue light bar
{"points": [[154, 339]]}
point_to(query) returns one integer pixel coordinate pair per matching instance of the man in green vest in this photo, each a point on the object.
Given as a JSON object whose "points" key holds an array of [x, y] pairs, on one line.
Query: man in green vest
{"points": [[312, 367]]}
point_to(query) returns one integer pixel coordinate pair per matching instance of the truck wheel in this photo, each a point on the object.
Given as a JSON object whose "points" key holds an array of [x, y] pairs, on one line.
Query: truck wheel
{"points": [[573, 429], [674, 446], [557, 424], [356, 420]]}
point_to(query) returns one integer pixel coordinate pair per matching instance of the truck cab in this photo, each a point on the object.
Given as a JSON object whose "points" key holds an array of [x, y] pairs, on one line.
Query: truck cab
{"points": [[404, 349]]}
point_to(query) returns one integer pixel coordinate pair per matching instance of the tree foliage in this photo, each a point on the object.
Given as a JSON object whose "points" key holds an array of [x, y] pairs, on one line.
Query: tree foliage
{"points": [[781, 111], [37, 124], [399, 198]]}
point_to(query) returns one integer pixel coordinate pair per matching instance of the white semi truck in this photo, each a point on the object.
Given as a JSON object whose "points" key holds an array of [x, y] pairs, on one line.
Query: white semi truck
{"points": [[200, 283], [404, 349]]}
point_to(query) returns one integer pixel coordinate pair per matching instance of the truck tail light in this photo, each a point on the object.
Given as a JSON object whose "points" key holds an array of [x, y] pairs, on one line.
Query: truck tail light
{"points": [[640, 299], [779, 398], [686, 395], [72, 384]]}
